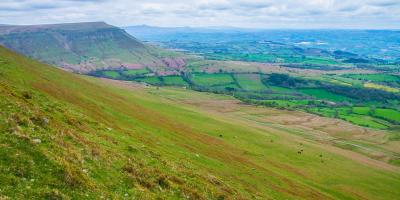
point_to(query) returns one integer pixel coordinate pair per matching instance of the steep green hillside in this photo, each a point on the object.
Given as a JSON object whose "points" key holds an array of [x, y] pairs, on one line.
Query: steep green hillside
{"points": [[65, 136], [83, 47]]}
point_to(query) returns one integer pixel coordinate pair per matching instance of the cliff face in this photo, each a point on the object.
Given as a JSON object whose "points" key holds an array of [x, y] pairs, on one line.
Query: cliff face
{"points": [[81, 47]]}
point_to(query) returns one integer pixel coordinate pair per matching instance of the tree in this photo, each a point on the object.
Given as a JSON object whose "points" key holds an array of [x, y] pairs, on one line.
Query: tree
{"points": [[372, 110], [336, 115], [350, 111]]}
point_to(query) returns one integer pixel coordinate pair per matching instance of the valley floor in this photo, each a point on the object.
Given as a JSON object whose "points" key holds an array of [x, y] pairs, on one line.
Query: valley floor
{"points": [[295, 130], [372, 146]]}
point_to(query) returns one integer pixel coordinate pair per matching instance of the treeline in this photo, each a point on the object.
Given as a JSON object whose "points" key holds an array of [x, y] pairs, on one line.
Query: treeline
{"points": [[313, 66], [284, 80], [359, 93], [364, 94], [121, 75]]}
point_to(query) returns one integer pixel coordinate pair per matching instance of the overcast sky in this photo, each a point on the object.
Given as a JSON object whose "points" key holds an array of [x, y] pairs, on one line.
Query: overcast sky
{"points": [[371, 14]]}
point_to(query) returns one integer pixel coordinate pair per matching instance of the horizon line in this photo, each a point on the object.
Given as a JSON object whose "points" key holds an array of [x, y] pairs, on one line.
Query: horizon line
{"points": [[210, 27]]}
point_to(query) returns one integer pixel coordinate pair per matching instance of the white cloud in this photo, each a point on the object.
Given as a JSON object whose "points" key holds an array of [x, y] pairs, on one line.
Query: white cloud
{"points": [[243, 13]]}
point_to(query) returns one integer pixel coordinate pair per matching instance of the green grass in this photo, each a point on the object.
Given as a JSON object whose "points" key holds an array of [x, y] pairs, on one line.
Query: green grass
{"points": [[320, 61], [250, 81], [381, 87], [225, 87], [361, 110], [212, 79], [109, 47], [389, 114], [153, 80], [101, 139], [323, 94], [364, 116], [326, 112], [374, 77], [135, 72], [111, 74], [258, 93], [287, 103], [339, 80], [357, 115], [280, 89], [363, 120], [174, 81], [394, 135]]}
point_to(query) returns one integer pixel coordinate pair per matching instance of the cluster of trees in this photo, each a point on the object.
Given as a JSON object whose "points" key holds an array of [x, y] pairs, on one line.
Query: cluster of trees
{"points": [[313, 66], [284, 80], [363, 94], [360, 93], [121, 75]]}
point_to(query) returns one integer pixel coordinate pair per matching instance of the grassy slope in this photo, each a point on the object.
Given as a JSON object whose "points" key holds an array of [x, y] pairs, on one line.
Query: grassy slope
{"points": [[323, 94], [82, 47], [97, 140], [250, 82], [212, 79]]}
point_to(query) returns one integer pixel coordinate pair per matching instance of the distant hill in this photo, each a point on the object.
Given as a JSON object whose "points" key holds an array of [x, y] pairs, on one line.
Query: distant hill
{"points": [[154, 33], [84, 47], [382, 44]]}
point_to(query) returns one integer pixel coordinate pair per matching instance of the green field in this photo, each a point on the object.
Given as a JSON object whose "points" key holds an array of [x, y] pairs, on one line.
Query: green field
{"points": [[374, 77], [250, 81], [320, 61], [323, 94], [174, 81], [153, 80], [225, 87], [363, 121], [287, 104], [212, 79], [335, 79], [389, 114], [251, 84], [135, 72], [361, 110], [305, 96], [280, 89], [111, 74]]}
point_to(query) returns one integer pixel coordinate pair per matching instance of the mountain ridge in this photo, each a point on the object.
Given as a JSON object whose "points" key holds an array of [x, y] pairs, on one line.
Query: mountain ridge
{"points": [[84, 47], [5, 28]]}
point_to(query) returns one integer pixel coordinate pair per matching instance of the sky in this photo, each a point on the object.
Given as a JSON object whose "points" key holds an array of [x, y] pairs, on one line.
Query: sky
{"points": [[274, 14]]}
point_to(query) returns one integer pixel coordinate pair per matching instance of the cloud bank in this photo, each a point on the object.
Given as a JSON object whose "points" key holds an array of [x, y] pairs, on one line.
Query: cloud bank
{"points": [[363, 14]]}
